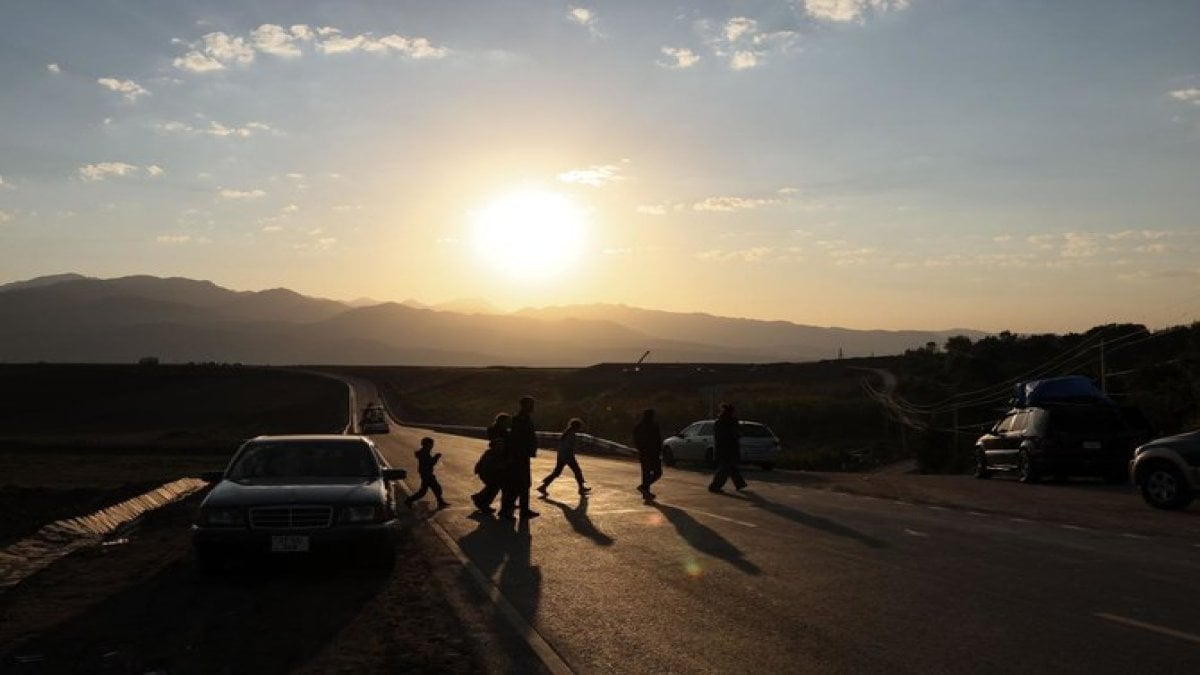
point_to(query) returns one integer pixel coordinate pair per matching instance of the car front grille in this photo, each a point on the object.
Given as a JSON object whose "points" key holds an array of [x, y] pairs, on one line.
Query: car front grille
{"points": [[290, 517]]}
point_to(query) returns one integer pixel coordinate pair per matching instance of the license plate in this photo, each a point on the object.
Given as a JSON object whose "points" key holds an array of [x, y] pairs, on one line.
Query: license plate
{"points": [[1091, 445], [289, 544]]}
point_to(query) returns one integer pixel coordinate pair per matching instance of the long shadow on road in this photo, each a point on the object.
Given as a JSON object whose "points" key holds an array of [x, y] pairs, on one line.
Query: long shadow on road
{"points": [[578, 518], [809, 520], [494, 547], [705, 539]]}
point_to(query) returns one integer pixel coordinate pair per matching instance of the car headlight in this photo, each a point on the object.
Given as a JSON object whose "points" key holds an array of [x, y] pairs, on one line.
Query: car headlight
{"points": [[362, 514], [222, 517]]}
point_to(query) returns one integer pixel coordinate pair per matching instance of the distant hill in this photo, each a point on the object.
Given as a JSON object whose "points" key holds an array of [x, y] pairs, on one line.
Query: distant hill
{"points": [[797, 341], [71, 318]]}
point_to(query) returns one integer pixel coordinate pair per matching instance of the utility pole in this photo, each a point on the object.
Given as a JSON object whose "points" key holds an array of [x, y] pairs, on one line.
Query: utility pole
{"points": [[954, 454], [1103, 375]]}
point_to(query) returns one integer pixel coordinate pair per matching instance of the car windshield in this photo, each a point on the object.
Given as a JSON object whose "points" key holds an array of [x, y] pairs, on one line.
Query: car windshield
{"points": [[372, 415], [751, 430], [304, 460]]}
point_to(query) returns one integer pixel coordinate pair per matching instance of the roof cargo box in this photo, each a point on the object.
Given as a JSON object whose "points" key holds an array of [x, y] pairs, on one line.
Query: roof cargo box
{"points": [[1066, 389]]}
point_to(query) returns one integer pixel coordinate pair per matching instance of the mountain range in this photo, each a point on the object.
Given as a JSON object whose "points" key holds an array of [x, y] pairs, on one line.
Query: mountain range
{"points": [[73, 318]]}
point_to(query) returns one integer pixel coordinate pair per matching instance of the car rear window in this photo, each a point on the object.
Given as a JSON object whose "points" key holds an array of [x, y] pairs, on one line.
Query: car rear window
{"points": [[304, 460], [751, 430], [372, 415], [1093, 420]]}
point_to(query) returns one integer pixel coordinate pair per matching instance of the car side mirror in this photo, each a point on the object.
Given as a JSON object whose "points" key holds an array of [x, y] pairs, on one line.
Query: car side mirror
{"points": [[394, 474], [212, 476]]}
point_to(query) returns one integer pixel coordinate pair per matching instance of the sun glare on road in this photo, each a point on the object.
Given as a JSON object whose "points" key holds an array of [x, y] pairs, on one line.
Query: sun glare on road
{"points": [[530, 234]]}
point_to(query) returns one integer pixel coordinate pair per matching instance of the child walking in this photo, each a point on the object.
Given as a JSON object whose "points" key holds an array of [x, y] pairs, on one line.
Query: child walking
{"points": [[425, 464], [566, 457]]}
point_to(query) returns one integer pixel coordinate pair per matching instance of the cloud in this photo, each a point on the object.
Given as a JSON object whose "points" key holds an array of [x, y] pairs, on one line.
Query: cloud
{"points": [[581, 15], [849, 10], [128, 88], [155, 170], [103, 170], [333, 42], [317, 243], [53, 67], [337, 44], [595, 176], [1140, 234], [196, 62], [218, 51], [741, 60], [1042, 241], [1191, 95], [652, 209], [738, 27], [180, 239], [993, 260], [747, 255], [4, 185], [216, 129], [585, 17], [679, 58], [277, 41], [1154, 249], [745, 45], [5, 216], [227, 193], [728, 204], [852, 257], [1080, 245]]}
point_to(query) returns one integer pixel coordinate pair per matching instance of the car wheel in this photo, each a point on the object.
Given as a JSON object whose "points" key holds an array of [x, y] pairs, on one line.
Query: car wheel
{"points": [[981, 467], [767, 466], [668, 455], [1027, 471], [1164, 487]]}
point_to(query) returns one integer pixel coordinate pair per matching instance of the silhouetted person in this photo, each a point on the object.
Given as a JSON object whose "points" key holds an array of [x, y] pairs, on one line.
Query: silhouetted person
{"points": [[520, 448], [566, 457], [429, 482], [647, 438], [490, 467], [727, 449]]}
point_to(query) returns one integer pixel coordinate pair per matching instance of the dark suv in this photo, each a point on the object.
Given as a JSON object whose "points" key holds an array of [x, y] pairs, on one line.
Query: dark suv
{"points": [[1167, 470], [1059, 440]]}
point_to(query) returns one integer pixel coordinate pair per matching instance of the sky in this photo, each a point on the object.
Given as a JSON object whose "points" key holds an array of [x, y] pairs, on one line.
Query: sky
{"points": [[872, 164]]}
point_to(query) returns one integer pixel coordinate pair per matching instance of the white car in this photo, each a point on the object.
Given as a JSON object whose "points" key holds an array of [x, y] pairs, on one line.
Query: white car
{"points": [[373, 420], [759, 444]]}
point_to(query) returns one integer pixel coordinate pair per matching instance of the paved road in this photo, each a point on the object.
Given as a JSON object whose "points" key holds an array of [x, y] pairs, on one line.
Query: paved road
{"points": [[788, 579]]}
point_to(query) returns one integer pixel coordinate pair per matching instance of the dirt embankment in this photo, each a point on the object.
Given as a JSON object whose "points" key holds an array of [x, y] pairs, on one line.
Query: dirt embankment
{"points": [[142, 605], [139, 604]]}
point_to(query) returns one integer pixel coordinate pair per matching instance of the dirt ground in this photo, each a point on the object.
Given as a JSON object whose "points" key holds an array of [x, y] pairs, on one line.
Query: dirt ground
{"points": [[139, 604]]}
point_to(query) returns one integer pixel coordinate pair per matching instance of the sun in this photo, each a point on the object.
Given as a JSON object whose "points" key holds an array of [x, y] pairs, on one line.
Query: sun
{"points": [[530, 234]]}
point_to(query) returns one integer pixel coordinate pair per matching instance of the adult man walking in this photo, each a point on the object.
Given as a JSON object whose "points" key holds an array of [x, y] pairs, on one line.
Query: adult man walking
{"points": [[521, 447], [647, 438], [727, 449]]}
